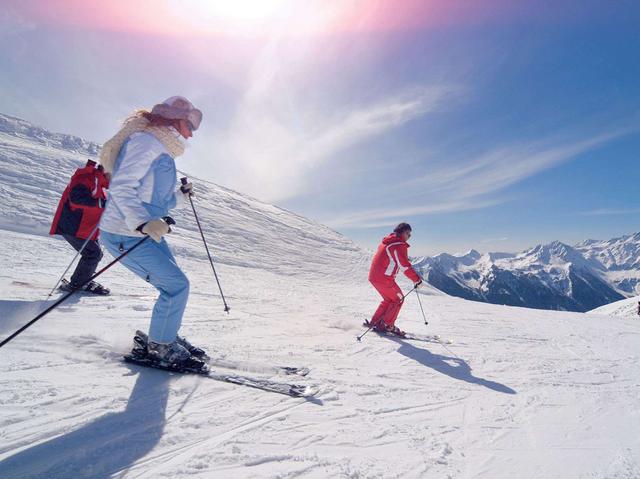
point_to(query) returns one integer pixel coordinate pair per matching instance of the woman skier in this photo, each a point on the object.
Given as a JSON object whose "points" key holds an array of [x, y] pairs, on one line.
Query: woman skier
{"points": [[76, 220], [142, 191], [390, 258]]}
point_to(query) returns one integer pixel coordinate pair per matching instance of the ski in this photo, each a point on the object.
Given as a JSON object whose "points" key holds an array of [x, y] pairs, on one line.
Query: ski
{"points": [[258, 368], [292, 390], [141, 341], [428, 338]]}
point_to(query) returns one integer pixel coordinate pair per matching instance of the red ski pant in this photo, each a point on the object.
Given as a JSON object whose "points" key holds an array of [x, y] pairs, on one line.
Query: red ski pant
{"points": [[391, 302]]}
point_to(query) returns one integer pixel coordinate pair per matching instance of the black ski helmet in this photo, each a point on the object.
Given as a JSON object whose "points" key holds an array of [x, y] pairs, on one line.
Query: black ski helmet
{"points": [[401, 228]]}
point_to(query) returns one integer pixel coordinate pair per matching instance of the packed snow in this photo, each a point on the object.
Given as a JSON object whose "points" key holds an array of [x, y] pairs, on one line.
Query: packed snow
{"points": [[516, 393], [626, 308]]}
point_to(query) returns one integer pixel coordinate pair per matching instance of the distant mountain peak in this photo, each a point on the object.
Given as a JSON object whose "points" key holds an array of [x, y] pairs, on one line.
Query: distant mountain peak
{"points": [[554, 252], [474, 254]]}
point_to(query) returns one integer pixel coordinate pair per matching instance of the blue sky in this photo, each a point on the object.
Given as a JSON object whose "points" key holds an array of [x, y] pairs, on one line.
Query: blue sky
{"points": [[492, 127]]}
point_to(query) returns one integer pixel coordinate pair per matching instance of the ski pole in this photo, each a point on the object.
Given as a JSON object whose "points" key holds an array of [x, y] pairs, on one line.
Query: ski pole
{"points": [[359, 338], [70, 293], [184, 181], [421, 309], [86, 242]]}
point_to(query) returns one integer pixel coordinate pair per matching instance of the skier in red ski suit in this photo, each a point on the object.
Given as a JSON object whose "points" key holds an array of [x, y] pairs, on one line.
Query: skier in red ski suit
{"points": [[390, 258]]}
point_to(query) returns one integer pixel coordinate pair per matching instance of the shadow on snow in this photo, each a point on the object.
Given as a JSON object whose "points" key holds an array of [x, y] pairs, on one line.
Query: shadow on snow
{"points": [[15, 313], [453, 367], [111, 443]]}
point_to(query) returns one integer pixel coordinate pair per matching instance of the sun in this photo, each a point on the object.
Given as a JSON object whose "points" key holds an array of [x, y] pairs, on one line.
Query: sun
{"points": [[241, 10], [230, 14]]}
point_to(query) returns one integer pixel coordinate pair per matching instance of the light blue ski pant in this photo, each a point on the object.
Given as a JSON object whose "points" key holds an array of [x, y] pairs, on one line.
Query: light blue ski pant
{"points": [[155, 263]]}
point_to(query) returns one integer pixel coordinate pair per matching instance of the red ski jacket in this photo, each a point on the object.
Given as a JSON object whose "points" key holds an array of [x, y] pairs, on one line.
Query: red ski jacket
{"points": [[390, 258], [82, 203]]}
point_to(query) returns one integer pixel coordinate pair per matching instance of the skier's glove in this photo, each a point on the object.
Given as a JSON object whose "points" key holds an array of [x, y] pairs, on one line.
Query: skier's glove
{"points": [[187, 190], [418, 285], [156, 229]]}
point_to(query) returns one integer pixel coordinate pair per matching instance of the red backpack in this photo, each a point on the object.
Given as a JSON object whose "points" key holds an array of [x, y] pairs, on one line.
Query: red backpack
{"points": [[82, 203]]}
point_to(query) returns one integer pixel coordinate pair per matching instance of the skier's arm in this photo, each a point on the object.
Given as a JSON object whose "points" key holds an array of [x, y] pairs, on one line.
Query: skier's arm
{"points": [[123, 190], [405, 264]]}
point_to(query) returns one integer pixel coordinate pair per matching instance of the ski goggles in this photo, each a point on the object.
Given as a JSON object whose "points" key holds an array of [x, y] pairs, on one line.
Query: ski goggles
{"points": [[194, 117]]}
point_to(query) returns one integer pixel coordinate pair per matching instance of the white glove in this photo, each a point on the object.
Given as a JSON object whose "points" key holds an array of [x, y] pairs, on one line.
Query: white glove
{"points": [[156, 229], [418, 285]]}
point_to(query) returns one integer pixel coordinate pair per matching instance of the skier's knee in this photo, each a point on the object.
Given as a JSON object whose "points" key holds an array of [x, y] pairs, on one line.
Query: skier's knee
{"points": [[92, 253], [183, 285]]}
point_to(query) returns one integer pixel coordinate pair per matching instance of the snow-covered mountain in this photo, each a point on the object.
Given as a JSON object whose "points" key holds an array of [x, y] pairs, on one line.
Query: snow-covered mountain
{"points": [[552, 276], [621, 259], [519, 393]]}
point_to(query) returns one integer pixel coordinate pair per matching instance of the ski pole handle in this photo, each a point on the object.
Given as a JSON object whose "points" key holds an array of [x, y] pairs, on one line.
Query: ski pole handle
{"points": [[184, 182]]}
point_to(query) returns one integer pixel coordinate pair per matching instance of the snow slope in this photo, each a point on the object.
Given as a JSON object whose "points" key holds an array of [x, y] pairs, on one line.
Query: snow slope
{"points": [[626, 308], [520, 393], [246, 232]]}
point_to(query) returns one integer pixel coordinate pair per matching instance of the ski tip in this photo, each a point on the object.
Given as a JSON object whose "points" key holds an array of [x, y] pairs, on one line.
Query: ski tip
{"points": [[304, 391]]}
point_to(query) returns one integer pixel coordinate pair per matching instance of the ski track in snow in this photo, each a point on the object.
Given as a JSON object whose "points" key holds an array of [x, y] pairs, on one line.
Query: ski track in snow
{"points": [[520, 393]]}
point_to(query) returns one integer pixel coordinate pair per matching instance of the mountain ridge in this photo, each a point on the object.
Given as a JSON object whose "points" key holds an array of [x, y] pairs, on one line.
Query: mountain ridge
{"points": [[553, 276]]}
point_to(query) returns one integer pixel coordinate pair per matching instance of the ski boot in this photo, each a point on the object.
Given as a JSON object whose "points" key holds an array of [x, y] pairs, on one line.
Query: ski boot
{"points": [[395, 331], [92, 287], [381, 327], [173, 356], [146, 350], [140, 340], [196, 352], [96, 288]]}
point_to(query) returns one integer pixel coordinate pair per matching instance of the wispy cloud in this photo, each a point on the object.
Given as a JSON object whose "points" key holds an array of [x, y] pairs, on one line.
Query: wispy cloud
{"points": [[375, 218], [278, 139], [494, 240], [475, 182], [611, 212]]}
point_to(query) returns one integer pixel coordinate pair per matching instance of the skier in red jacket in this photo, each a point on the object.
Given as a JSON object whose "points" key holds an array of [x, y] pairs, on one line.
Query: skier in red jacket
{"points": [[77, 218], [390, 258]]}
